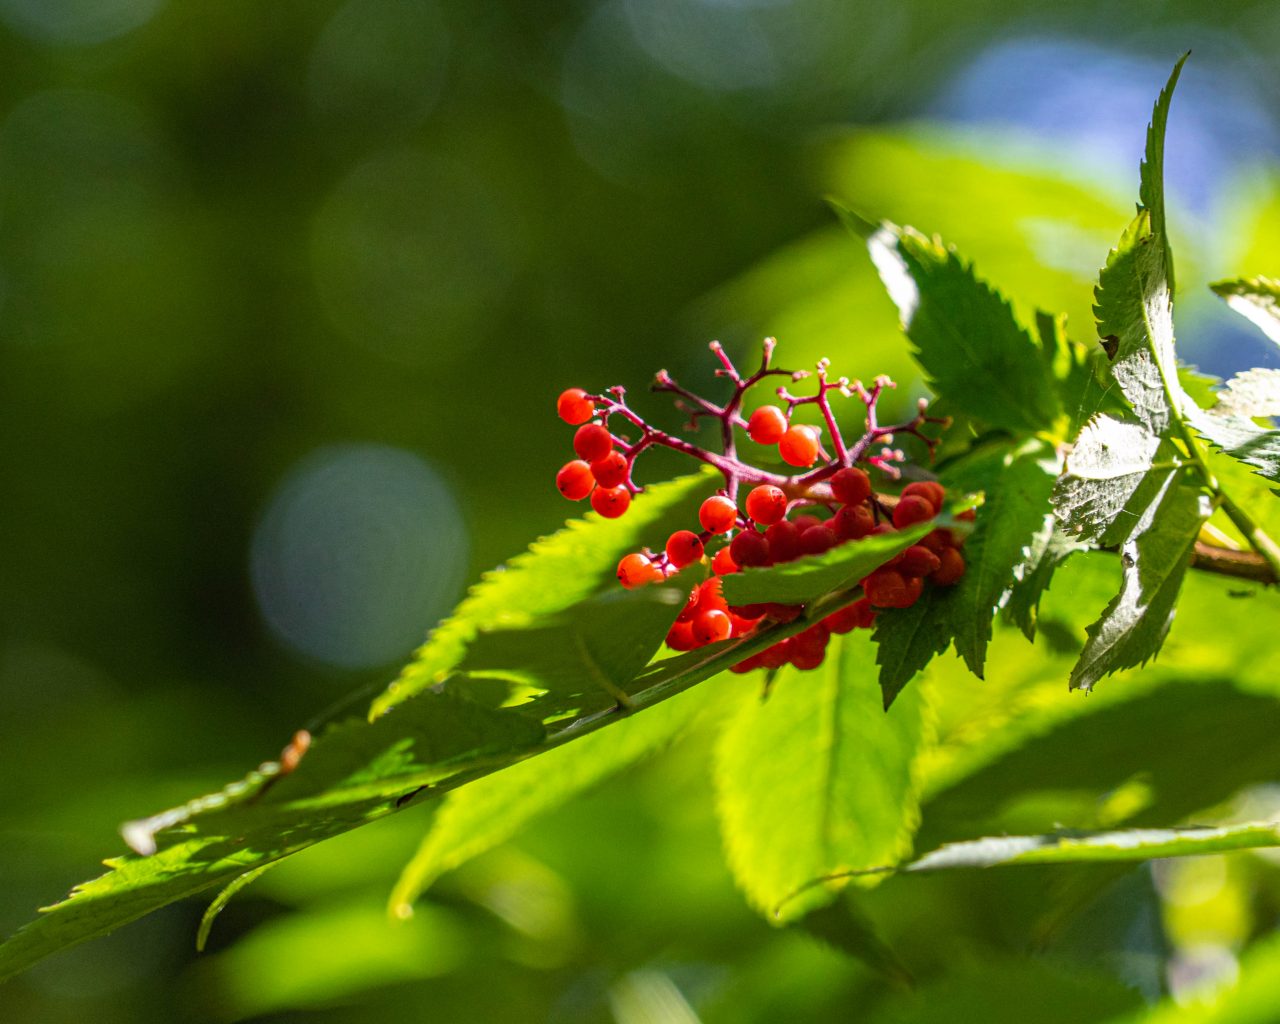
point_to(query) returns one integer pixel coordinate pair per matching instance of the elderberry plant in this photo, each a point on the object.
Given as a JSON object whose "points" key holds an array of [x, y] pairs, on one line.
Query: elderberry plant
{"points": [[783, 517], [550, 676]]}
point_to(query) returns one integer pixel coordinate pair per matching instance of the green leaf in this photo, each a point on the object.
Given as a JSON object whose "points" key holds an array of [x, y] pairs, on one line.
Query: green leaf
{"points": [[1017, 490], [1115, 845], [844, 926], [555, 574], [1254, 392], [1074, 370], [479, 816], [1255, 298], [907, 639], [355, 773], [1105, 472], [1154, 560], [804, 579], [1134, 297], [975, 353], [1242, 439], [220, 902], [1049, 548], [818, 778]]}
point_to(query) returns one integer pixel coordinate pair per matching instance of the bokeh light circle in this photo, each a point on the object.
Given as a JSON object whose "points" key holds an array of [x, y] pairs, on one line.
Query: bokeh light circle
{"points": [[361, 549]]}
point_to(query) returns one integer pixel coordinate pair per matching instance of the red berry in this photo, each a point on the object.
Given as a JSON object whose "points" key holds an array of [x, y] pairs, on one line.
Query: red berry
{"points": [[574, 406], [743, 625], [746, 666], [851, 486], [950, 569], [853, 522], [610, 470], [932, 492], [777, 655], [610, 502], [749, 548], [712, 595], [711, 626], [718, 514], [814, 638], [886, 588], [799, 446], [684, 547], [784, 612], [806, 659], [911, 510], [968, 515], [766, 504], [784, 541], [723, 564], [592, 442], [816, 540], [804, 522], [637, 570], [917, 560], [767, 425], [859, 615], [938, 541], [691, 606], [575, 480], [680, 637]]}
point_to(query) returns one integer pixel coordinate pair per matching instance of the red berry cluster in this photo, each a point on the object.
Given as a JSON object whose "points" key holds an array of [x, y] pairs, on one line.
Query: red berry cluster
{"points": [[783, 517]]}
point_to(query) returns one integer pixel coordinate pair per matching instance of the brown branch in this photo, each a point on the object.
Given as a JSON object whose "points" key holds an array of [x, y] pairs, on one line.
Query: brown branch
{"points": [[1244, 565]]}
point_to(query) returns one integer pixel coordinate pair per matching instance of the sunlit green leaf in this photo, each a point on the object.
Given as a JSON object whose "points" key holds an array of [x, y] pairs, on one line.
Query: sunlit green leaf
{"points": [[818, 778], [975, 353], [1154, 559], [556, 573]]}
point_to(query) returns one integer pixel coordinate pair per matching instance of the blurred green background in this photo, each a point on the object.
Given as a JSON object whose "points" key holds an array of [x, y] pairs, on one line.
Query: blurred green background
{"points": [[287, 291]]}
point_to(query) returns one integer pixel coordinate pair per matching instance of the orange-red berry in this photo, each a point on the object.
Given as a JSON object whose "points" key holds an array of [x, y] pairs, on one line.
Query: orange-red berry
{"points": [[887, 588], [722, 564], [799, 446], [718, 514], [749, 548], [610, 470], [711, 626], [767, 425], [592, 441], [938, 541], [917, 560], [850, 486], [853, 522], [611, 502], [684, 547], [574, 480], [680, 637], [931, 491], [816, 540], [637, 570], [950, 568], [911, 510], [574, 406], [766, 504], [806, 658], [784, 541]]}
